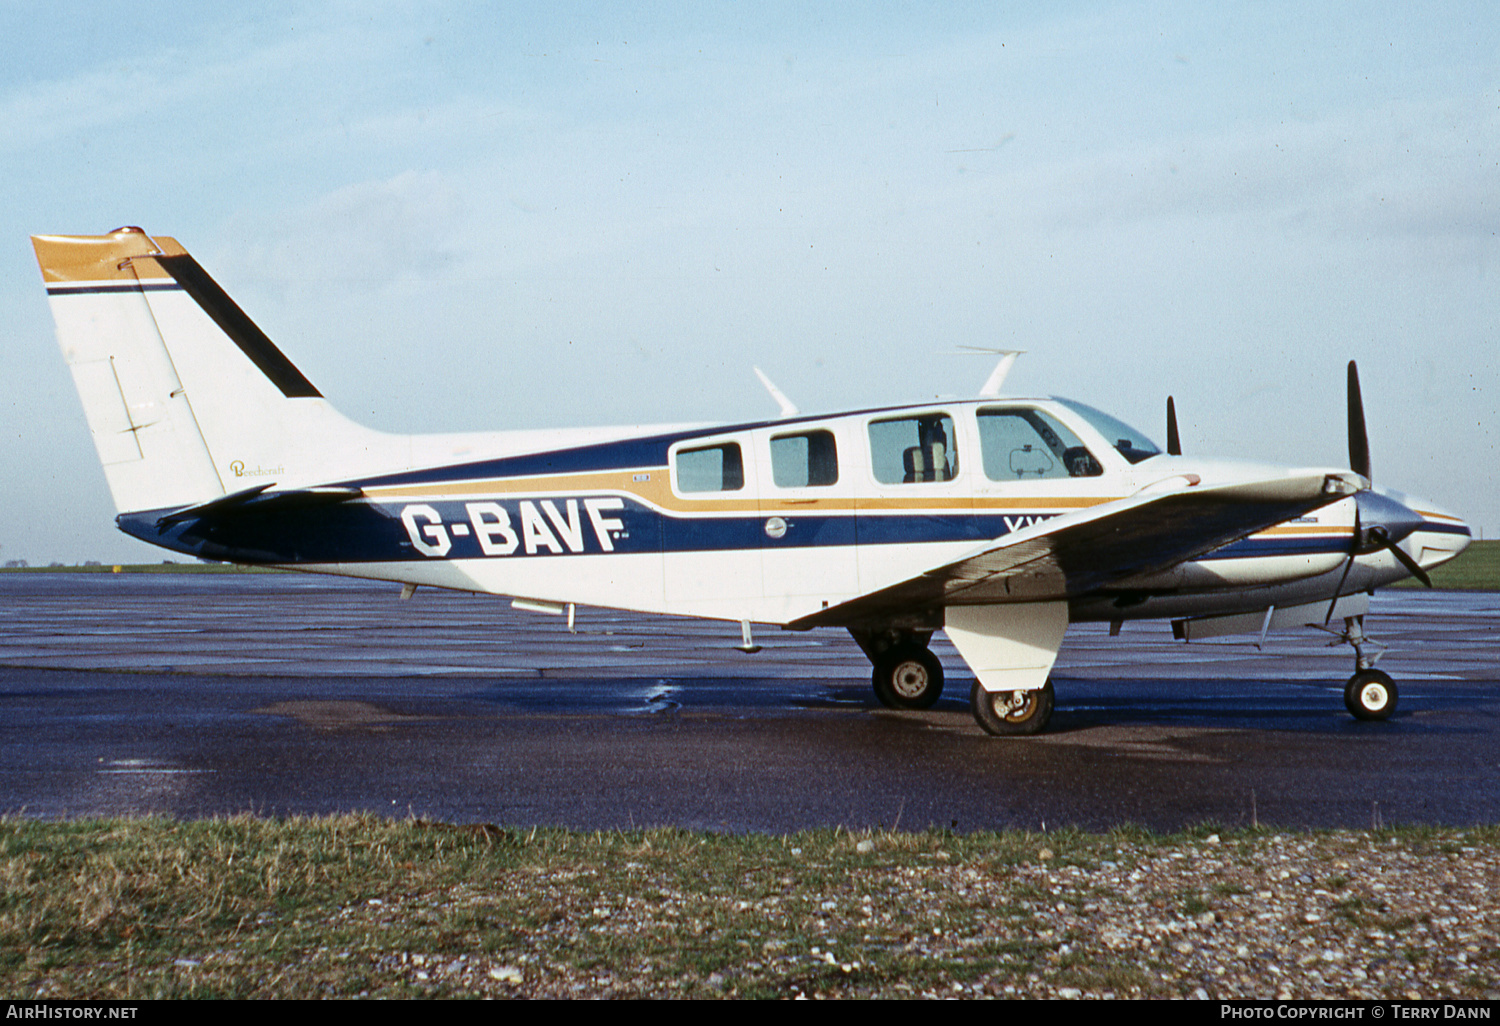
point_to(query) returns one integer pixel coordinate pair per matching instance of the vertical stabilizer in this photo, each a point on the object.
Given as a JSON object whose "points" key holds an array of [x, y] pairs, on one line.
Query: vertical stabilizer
{"points": [[153, 453], [186, 398]]}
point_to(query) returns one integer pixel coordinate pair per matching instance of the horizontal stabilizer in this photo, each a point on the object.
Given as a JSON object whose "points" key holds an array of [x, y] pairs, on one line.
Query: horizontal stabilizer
{"points": [[259, 500]]}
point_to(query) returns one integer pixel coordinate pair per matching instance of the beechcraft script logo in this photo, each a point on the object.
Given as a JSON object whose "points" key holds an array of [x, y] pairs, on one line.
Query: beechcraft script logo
{"points": [[238, 469], [529, 527]]}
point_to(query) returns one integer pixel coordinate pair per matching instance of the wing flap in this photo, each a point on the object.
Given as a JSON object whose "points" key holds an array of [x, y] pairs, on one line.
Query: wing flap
{"points": [[1078, 553]]}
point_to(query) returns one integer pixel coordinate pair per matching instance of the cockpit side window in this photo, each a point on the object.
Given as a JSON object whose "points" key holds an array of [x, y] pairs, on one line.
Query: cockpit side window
{"points": [[806, 460], [1023, 444], [713, 468], [914, 450], [1128, 442]]}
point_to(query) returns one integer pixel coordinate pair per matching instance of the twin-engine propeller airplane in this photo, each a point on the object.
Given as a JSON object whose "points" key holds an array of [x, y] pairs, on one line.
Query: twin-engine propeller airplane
{"points": [[999, 520]]}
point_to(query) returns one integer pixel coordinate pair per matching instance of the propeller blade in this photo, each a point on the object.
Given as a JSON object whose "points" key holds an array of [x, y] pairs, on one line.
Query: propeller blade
{"points": [[1348, 565], [1412, 566], [1174, 442], [1391, 520], [1359, 441]]}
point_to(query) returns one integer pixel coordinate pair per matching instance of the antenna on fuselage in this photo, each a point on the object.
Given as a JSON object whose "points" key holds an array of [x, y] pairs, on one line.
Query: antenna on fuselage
{"points": [[992, 384], [788, 408]]}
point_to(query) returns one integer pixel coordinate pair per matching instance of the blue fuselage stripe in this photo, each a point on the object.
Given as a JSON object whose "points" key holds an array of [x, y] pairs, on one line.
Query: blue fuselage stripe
{"points": [[370, 532]]}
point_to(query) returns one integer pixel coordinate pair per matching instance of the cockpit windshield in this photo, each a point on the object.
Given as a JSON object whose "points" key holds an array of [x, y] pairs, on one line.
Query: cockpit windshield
{"points": [[1128, 442]]}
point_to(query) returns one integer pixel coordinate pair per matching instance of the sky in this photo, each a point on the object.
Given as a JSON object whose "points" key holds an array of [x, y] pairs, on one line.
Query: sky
{"points": [[462, 216]]}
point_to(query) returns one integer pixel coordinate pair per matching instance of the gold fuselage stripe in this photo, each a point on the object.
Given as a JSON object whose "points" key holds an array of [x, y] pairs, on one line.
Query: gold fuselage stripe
{"points": [[657, 492]]}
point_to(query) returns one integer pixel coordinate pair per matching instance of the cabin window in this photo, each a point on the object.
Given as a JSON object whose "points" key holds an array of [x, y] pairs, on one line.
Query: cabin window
{"points": [[713, 468], [1029, 445], [914, 450], [806, 460]]}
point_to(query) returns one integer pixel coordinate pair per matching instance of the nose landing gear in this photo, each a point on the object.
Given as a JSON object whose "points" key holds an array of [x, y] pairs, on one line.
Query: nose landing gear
{"points": [[1370, 694]]}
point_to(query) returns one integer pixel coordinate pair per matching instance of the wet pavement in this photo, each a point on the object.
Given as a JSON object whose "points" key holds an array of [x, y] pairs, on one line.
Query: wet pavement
{"points": [[282, 694]]}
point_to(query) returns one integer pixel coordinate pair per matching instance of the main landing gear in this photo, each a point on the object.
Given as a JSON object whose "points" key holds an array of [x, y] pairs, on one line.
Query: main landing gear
{"points": [[1370, 694], [1012, 712], [907, 675]]}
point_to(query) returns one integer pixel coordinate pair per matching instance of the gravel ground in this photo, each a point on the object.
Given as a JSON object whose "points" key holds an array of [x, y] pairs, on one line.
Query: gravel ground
{"points": [[358, 906], [1343, 915]]}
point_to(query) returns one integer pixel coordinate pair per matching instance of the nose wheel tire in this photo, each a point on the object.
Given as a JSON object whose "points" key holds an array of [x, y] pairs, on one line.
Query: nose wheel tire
{"points": [[1370, 695], [907, 677], [1009, 713]]}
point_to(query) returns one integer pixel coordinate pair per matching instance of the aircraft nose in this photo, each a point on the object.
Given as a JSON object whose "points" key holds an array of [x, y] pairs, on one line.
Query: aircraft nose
{"points": [[1432, 536]]}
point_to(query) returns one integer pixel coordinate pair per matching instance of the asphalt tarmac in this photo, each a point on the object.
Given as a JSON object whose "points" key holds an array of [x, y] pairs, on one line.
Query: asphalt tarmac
{"points": [[199, 695]]}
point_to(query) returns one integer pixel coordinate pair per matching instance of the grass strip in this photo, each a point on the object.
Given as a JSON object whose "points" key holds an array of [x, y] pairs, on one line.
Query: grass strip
{"points": [[352, 906]]}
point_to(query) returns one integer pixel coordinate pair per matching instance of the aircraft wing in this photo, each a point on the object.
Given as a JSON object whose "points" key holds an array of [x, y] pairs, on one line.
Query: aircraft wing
{"points": [[1078, 553]]}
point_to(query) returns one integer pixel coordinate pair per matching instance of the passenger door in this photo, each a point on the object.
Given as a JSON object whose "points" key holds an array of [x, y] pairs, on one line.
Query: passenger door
{"points": [[809, 559]]}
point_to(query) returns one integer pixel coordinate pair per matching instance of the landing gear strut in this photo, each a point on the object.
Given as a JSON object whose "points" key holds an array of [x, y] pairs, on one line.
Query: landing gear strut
{"points": [[907, 675], [1370, 694]]}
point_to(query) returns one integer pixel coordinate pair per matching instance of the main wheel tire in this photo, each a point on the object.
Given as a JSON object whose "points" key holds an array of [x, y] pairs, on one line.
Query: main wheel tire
{"points": [[907, 677], [1009, 713], [1370, 695]]}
